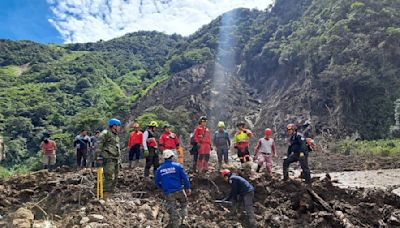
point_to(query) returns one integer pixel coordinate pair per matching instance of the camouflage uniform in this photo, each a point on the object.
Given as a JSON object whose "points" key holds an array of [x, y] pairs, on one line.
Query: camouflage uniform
{"points": [[108, 147]]}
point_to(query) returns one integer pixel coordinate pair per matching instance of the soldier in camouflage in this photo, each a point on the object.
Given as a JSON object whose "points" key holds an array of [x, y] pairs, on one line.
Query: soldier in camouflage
{"points": [[108, 154]]}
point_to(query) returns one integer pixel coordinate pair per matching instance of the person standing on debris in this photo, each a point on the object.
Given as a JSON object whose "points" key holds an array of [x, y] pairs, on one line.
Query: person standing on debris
{"points": [[194, 151], [202, 140], [150, 149], [135, 144], [92, 149], [169, 140], [297, 151], [240, 188], [49, 148], [241, 142], [266, 148], [108, 154], [222, 143], [82, 143], [172, 179]]}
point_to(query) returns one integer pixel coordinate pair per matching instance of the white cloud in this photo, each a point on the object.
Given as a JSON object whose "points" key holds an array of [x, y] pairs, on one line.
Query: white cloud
{"points": [[92, 20]]}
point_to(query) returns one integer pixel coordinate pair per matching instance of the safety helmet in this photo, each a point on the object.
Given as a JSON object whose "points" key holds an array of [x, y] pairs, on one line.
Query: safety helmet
{"points": [[268, 131], [291, 127], [240, 124], [221, 124], [136, 125], [168, 154], [153, 124], [225, 172], [203, 118], [113, 122]]}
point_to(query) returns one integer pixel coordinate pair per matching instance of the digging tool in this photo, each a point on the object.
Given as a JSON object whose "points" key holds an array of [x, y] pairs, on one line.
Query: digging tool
{"points": [[180, 154], [100, 193], [223, 202]]}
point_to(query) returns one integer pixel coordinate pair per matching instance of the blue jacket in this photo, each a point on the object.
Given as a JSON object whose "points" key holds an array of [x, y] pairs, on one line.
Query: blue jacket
{"points": [[221, 139], [171, 177], [239, 186]]}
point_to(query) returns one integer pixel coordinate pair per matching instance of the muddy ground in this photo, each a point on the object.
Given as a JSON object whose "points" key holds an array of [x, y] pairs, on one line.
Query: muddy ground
{"points": [[66, 198]]}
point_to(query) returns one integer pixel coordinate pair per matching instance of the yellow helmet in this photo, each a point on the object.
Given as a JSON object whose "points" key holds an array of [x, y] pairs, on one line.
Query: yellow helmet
{"points": [[153, 124], [221, 124]]}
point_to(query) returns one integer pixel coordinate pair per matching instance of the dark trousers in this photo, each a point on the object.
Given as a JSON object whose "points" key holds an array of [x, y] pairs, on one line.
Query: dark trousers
{"points": [[222, 153], [248, 200], [134, 152], [195, 158], [244, 155], [81, 157], [295, 157], [151, 160]]}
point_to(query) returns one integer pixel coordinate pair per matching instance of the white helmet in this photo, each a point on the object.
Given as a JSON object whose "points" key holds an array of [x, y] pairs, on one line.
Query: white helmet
{"points": [[168, 154]]}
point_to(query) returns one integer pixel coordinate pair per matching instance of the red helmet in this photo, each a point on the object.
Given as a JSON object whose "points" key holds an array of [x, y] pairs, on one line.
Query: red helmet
{"points": [[268, 131], [291, 127], [225, 172]]}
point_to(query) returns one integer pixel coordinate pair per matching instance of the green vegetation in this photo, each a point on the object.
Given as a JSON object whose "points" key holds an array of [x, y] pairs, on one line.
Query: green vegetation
{"points": [[388, 147], [348, 50], [58, 90]]}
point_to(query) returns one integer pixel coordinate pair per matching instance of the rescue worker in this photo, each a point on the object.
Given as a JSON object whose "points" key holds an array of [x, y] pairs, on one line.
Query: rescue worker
{"points": [[266, 148], [135, 144], [82, 144], [172, 179], [240, 187], [169, 140], [108, 154], [202, 140], [241, 142], [150, 149], [92, 149], [222, 143], [297, 151], [49, 148]]}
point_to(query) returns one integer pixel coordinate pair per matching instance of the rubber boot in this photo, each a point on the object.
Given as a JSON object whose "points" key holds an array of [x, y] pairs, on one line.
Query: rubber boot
{"points": [[130, 164]]}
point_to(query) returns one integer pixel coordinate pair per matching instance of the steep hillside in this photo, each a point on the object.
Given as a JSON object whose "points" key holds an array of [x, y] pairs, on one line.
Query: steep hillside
{"points": [[331, 63], [58, 90]]}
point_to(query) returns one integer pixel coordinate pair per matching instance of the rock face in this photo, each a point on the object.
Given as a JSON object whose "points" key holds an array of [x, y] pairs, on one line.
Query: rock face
{"points": [[206, 89]]}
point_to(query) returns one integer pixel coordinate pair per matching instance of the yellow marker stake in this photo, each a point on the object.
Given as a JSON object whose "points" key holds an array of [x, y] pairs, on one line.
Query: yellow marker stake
{"points": [[100, 183]]}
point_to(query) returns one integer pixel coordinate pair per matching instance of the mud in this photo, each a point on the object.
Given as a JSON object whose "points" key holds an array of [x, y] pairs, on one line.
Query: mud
{"points": [[66, 198]]}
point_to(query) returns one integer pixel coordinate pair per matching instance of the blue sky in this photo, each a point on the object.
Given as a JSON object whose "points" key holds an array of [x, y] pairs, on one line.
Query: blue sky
{"points": [[27, 20], [79, 21]]}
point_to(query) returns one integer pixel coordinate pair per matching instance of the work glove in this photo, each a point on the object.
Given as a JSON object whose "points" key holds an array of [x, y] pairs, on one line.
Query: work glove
{"points": [[146, 153], [301, 154]]}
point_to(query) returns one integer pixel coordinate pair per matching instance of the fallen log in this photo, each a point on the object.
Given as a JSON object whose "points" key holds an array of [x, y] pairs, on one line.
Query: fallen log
{"points": [[338, 214]]}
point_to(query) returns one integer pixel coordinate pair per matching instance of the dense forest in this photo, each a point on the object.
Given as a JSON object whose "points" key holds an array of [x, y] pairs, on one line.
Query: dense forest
{"points": [[348, 52]]}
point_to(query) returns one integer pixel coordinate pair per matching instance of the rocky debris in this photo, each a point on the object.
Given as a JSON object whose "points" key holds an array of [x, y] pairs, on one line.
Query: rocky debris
{"points": [[135, 204], [22, 218]]}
